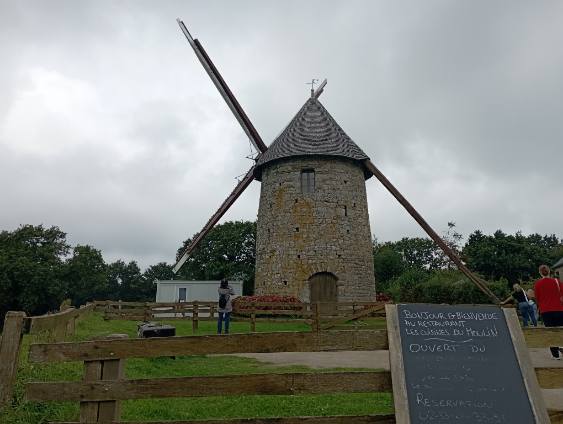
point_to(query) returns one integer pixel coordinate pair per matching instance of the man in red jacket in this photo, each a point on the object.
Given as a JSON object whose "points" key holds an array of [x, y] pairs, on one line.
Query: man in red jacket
{"points": [[549, 295]]}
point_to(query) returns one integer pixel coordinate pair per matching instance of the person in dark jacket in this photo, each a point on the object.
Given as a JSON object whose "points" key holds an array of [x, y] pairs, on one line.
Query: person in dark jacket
{"points": [[225, 305]]}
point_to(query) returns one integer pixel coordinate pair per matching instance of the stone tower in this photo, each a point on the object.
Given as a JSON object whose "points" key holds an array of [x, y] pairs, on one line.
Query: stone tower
{"points": [[313, 236]]}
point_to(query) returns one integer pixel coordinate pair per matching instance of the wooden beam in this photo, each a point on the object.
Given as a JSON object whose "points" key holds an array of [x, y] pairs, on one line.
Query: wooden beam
{"points": [[524, 361], [58, 325], [357, 315], [226, 385], [430, 231], [9, 353], [89, 410], [111, 370], [396, 365], [224, 90], [212, 344], [319, 89], [543, 337], [342, 419], [556, 417], [550, 378], [227, 203]]}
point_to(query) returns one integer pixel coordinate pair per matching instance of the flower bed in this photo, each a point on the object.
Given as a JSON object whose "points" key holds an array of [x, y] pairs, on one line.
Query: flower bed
{"points": [[382, 297]]}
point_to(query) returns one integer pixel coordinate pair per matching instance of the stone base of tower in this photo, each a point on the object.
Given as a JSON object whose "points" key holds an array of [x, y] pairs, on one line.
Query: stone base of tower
{"points": [[345, 291], [316, 243]]}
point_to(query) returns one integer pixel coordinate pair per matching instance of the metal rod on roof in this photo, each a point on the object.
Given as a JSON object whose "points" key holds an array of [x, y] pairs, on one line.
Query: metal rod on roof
{"points": [[224, 90], [433, 235]]}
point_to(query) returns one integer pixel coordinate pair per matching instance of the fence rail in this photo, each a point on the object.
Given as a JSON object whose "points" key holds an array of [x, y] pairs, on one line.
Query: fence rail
{"points": [[104, 384], [56, 327], [230, 385], [321, 315], [59, 325], [212, 344], [100, 389], [363, 419]]}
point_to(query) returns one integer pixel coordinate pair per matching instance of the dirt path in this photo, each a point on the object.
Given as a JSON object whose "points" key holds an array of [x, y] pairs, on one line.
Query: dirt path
{"points": [[379, 359]]}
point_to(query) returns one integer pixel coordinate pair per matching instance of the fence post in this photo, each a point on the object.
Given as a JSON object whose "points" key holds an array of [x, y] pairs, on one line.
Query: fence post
{"points": [[253, 317], [89, 410], [9, 353], [111, 369], [212, 311], [71, 324], [147, 314], [316, 309], [195, 316], [106, 310], [60, 329]]}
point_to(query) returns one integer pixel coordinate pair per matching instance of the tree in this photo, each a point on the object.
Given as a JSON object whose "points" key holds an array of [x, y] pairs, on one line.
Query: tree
{"points": [[513, 257], [160, 271], [416, 252], [228, 250], [387, 264], [453, 240], [126, 282], [86, 275], [31, 267]]}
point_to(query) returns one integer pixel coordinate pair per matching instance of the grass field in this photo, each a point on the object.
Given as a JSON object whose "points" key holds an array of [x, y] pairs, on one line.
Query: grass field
{"points": [[23, 412]]}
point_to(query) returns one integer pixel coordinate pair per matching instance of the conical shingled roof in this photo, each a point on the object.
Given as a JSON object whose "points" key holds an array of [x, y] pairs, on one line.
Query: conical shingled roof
{"points": [[313, 132]]}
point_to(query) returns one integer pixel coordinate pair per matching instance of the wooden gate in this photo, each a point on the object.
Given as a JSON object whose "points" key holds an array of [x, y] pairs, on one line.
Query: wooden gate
{"points": [[323, 289]]}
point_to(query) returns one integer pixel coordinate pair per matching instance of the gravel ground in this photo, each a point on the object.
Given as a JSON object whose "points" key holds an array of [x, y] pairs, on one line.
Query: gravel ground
{"points": [[379, 359]]}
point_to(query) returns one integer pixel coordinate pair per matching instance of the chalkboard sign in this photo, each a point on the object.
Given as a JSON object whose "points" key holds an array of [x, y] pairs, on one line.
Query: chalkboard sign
{"points": [[459, 365]]}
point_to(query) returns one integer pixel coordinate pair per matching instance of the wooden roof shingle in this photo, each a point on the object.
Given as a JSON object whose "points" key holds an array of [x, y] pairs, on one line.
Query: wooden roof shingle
{"points": [[312, 132]]}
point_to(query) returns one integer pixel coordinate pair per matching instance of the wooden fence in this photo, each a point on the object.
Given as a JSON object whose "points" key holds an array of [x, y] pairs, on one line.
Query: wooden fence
{"points": [[321, 316], [104, 385], [54, 327], [57, 326]]}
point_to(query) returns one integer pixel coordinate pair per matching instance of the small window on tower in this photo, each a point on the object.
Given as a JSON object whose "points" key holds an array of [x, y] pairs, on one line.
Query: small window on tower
{"points": [[308, 181]]}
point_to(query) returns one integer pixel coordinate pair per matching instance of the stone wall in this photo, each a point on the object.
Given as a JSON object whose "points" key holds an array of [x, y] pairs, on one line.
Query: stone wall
{"points": [[300, 234]]}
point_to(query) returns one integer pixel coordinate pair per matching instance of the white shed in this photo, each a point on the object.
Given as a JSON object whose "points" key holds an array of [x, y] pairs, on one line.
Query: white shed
{"points": [[188, 291]]}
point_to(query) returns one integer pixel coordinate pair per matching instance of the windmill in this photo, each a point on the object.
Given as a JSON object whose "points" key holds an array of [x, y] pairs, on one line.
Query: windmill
{"points": [[313, 235]]}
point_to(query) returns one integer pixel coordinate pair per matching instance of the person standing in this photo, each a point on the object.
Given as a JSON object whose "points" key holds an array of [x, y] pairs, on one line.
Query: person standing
{"points": [[532, 301], [549, 295], [524, 306], [225, 305]]}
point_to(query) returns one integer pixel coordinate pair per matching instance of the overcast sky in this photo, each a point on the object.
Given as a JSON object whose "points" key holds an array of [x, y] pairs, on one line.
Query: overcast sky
{"points": [[111, 130]]}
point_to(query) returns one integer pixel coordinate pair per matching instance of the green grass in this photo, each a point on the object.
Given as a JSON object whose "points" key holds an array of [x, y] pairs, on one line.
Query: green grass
{"points": [[96, 326], [24, 412], [259, 406]]}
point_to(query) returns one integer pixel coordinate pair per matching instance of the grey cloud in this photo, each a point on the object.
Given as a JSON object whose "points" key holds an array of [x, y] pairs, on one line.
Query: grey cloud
{"points": [[127, 146]]}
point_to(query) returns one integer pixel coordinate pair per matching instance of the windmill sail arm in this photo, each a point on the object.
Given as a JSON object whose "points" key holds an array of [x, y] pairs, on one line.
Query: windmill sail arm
{"points": [[319, 89], [224, 90], [428, 229], [238, 190]]}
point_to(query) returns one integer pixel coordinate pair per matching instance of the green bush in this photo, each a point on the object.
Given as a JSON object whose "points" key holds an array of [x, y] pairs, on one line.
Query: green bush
{"points": [[401, 288], [443, 286]]}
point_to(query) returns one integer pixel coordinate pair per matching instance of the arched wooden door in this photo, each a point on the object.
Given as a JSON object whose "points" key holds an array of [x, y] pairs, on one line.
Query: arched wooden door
{"points": [[322, 288]]}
